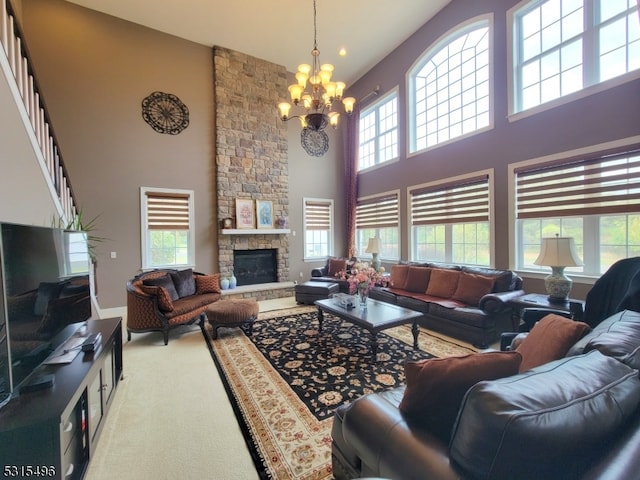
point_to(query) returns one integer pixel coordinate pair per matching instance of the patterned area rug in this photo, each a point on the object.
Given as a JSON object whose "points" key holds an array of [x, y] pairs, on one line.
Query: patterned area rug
{"points": [[287, 379]]}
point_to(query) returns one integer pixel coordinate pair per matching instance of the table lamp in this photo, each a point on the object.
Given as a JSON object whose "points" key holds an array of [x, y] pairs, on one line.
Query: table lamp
{"points": [[374, 248], [558, 252]]}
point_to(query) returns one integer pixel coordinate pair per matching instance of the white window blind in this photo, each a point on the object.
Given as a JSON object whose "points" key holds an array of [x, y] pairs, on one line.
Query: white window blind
{"points": [[461, 202], [167, 211], [379, 212], [317, 215], [597, 186]]}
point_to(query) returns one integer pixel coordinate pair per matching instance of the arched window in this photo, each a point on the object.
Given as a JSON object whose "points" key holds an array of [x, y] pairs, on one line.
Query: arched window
{"points": [[450, 87]]}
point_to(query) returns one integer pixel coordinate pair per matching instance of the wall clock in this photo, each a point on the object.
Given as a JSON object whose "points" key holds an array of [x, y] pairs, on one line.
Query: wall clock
{"points": [[165, 113], [314, 142]]}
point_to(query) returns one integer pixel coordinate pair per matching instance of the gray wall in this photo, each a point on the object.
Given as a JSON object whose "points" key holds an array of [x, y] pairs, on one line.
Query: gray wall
{"points": [[610, 115]]}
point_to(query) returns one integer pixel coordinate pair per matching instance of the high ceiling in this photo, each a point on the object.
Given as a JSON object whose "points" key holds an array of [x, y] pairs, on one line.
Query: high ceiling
{"points": [[281, 31]]}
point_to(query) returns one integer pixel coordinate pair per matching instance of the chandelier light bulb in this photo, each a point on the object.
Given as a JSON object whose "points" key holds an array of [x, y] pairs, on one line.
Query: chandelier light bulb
{"points": [[348, 104], [284, 109], [302, 78], [307, 101], [333, 119], [296, 91], [304, 68], [340, 86]]}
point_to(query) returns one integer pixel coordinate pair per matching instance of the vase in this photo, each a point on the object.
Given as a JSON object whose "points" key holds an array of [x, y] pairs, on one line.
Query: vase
{"points": [[224, 283], [363, 295], [233, 281]]}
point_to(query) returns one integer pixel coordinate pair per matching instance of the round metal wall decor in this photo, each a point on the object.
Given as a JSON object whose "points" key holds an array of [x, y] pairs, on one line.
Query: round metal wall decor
{"points": [[165, 113], [314, 142]]}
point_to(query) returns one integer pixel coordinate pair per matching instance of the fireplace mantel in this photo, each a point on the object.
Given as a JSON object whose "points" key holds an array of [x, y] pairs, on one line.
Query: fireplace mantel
{"points": [[255, 231]]}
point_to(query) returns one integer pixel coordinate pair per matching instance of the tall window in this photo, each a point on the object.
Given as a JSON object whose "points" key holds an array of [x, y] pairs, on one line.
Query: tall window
{"points": [[378, 217], [450, 222], [167, 228], [563, 46], [318, 228], [595, 200], [378, 132], [449, 88]]}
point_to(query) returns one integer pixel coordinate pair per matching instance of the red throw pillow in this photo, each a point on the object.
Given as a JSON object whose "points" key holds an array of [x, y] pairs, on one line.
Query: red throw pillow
{"points": [[399, 276], [165, 304], [443, 283], [417, 279], [550, 339], [471, 288], [436, 386], [336, 265], [207, 284]]}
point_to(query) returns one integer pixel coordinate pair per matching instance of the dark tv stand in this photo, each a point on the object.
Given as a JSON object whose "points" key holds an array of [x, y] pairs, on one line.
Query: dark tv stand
{"points": [[51, 432]]}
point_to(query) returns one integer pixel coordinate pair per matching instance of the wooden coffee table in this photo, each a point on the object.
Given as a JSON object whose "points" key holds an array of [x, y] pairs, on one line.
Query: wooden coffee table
{"points": [[377, 316]]}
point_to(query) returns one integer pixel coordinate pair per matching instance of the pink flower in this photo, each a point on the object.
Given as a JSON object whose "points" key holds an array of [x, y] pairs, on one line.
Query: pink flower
{"points": [[363, 277]]}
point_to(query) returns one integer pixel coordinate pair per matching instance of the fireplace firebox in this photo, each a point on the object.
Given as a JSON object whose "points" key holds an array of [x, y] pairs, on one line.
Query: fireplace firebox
{"points": [[252, 267]]}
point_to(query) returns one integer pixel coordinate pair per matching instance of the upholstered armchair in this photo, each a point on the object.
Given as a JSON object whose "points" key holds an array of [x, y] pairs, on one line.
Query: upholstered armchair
{"points": [[163, 299]]}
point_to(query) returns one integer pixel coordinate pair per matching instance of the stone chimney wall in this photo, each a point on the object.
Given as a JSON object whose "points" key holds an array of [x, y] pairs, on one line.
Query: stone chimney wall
{"points": [[251, 149]]}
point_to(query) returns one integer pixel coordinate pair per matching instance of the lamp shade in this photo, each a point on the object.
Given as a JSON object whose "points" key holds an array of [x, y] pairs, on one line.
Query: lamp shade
{"points": [[558, 252], [373, 245]]}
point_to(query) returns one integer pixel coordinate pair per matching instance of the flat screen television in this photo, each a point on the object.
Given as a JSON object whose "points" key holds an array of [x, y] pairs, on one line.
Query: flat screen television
{"points": [[45, 297]]}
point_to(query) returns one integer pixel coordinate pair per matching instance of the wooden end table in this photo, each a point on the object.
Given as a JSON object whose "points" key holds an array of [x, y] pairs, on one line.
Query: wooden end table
{"points": [[539, 300]]}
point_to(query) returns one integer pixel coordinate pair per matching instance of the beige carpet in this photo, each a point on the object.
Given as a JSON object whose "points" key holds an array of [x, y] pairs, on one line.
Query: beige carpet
{"points": [[171, 418]]}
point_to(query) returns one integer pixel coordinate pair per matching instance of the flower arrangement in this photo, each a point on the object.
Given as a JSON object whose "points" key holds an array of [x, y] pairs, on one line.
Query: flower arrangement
{"points": [[362, 278]]}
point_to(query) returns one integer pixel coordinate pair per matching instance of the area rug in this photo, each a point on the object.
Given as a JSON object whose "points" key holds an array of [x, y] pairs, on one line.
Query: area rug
{"points": [[286, 380]]}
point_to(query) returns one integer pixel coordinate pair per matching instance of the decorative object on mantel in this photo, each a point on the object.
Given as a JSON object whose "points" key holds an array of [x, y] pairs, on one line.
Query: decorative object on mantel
{"points": [[281, 222], [224, 283], [558, 252], [264, 211], [227, 223], [245, 217], [318, 102], [233, 281], [165, 113]]}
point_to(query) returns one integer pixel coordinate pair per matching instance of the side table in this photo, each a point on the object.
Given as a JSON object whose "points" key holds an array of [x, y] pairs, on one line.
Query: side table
{"points": [[539, 300]]}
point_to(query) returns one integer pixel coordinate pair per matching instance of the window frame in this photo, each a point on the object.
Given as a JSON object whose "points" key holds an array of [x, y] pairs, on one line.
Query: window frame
{"points": [[375, 107], [486, 20], [331, 231], [379, 200], [590, 222], [444, 184], [145, 237], [587, 90]]}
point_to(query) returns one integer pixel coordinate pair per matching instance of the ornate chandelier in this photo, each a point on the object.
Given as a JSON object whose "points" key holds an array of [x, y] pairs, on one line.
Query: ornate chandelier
{"points": [[317, 100]]}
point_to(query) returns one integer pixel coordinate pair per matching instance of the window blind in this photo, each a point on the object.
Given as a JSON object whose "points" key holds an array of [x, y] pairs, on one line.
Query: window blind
{"points": [[167, 211], [317, 215], [379, 212], [460, 202], [605, 185]]}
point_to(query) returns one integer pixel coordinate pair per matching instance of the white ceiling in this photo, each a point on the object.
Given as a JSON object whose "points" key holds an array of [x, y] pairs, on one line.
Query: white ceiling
{"points": [[281, 31]]}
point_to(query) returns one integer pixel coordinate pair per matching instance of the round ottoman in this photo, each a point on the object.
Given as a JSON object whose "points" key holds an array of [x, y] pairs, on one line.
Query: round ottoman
{"points": [[232, 313]]}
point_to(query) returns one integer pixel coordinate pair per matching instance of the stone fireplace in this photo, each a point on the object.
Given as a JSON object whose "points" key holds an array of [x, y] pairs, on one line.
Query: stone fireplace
{"points": [[251, 158]]}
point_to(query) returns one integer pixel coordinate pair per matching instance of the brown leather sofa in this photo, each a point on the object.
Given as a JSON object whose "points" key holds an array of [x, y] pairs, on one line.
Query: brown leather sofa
{"points": [[577, 417], [163, 299], [467, 303], [328, 272]]}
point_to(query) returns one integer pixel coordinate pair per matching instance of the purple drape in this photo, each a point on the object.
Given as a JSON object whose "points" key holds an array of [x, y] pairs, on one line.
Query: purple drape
{"points": [[351, 178]]}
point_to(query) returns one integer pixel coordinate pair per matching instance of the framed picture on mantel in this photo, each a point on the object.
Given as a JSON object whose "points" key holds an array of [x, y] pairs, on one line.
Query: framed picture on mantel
{"points": [[244, 213], [264, 211]]}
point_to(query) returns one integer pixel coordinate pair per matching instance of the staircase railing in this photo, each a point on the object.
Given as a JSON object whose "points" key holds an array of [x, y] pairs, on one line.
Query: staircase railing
{"points": [[20, 64]]}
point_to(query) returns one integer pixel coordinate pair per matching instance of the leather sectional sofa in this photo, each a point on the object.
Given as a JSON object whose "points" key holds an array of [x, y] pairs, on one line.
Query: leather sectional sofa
{"points": [[467, 303], [575, 417]]}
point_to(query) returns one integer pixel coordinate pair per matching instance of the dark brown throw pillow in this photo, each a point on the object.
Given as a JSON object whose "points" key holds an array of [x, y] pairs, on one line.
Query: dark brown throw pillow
{"points": [[165, 282], [184, 282], [443, 283], [417, 279], [208, 283], [336, 265], [164, 300], [550, 339], [399, 276], [471, 288], [436, 386]]}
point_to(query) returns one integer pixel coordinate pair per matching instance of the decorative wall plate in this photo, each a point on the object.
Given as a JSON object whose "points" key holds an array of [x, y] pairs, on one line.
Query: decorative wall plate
{"points": [[314, 142], [165, 113]]}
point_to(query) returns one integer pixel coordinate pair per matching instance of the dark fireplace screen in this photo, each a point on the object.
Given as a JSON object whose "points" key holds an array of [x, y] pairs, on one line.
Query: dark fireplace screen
{"points": [[255, 266]]}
